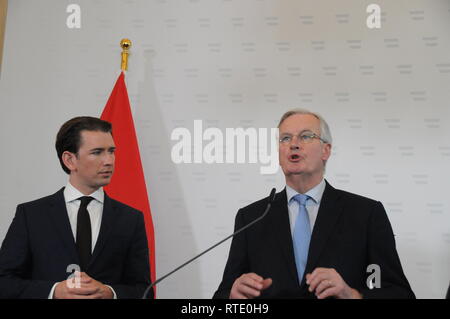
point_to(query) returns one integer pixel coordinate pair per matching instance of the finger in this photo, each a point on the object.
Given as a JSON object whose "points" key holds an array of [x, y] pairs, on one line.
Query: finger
{"points": [[316, 280], [98, 295], [251, 282], [81, 276], [315, 273], [75, 296], [86, 276], [324, 284], [91, 285], [308, 277], [322, 273], [330, 292], [83, 290], [311, 277], [254, 276], [248, 291], [266, 283], [85, 280]]}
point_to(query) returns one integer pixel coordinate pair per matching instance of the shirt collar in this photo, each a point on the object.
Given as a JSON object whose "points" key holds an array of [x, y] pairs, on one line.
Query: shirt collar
{"points": [[71, 194], [315, 193]]}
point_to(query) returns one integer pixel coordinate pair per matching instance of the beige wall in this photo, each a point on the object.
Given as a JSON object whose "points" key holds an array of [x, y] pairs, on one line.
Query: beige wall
{"points": [[3, 5]]}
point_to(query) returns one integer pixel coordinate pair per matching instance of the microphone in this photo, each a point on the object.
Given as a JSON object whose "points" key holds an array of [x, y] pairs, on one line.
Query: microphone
{"points": [[269, 204]]}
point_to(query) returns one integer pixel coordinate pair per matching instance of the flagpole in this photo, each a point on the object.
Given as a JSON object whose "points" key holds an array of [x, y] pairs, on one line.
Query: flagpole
{"points": [[128, 185], [125, 44]]}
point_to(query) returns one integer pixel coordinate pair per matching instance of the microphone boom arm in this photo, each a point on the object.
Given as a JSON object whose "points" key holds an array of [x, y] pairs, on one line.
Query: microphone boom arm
{"points": [[271, 198]]}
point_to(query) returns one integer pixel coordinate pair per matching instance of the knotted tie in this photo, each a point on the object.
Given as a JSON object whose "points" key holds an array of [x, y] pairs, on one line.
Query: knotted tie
{"points": [[84, 233], [302, 235]]}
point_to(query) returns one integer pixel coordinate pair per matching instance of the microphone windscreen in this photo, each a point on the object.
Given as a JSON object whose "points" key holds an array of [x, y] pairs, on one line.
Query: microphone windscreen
{"points": [[272, 195]]}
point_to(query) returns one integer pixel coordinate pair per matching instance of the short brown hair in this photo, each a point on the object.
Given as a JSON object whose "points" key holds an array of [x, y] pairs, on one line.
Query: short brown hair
{"points": [[69, 135]]}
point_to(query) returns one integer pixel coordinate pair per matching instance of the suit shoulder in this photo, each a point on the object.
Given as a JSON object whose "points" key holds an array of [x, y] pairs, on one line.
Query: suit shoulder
{"points": [[256, 205], [359, 206], [358, 203], [125, 208], [39, 202], [355, 198]]}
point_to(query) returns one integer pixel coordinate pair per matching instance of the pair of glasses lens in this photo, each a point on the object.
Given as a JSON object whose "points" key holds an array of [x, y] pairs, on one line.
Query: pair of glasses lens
{"points": [[304, 138]]}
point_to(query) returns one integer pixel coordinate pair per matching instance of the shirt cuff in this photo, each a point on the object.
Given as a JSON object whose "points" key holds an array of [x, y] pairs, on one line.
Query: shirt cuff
{"points": [[50, 295], [114, 293]]}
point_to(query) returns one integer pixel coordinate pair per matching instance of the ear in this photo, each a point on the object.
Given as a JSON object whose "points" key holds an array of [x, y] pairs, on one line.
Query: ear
{"points": [[326, 151], [70, 160]]}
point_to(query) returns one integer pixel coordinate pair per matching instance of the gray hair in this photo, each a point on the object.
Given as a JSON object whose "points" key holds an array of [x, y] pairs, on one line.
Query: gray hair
{"points": [[325, 133]]}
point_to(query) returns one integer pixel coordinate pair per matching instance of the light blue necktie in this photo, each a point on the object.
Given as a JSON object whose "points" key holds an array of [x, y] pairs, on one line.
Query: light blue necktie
{"points": [[302, 235]]}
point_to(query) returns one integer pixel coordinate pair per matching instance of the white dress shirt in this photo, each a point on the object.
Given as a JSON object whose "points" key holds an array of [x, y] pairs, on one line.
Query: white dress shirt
{"points": [[312, 206], [95, 210]]}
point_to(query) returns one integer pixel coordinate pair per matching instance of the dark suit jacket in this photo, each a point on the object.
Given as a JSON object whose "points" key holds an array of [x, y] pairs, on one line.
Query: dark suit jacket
{"points": [[39, 246], [350, 233]]}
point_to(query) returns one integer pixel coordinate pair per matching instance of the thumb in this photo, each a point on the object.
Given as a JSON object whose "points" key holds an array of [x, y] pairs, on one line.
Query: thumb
{"points": [[85, 278], [267, 283]]}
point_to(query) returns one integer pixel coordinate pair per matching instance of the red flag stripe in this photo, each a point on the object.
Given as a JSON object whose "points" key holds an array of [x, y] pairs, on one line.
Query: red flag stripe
{"points": [[128, 182]]}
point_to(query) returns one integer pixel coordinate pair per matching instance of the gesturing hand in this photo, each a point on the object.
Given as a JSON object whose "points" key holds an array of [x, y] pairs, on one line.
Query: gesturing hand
{"points": [[327, 282], [249, 286]]}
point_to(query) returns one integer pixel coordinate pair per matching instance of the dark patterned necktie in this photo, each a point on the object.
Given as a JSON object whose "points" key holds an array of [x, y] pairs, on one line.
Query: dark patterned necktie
{"points": [[84, 233]]}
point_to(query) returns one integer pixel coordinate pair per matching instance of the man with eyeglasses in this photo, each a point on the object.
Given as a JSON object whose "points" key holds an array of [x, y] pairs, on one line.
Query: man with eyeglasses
{"points": [[316, 241]]}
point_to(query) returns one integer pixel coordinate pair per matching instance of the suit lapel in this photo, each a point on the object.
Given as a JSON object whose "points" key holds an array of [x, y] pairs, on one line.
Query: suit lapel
{"points": [[278, 220], [329, 213], [105, 227], [58, 213]]}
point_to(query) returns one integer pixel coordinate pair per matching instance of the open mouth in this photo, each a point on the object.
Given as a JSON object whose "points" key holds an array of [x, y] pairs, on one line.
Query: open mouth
{"points": [[294, 158]]}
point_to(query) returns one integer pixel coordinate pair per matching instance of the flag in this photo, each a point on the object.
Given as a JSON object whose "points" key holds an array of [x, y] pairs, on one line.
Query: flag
{"points": [[128, 182]]}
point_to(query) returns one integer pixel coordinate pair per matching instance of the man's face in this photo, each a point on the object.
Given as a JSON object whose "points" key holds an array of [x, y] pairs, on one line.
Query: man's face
{"points": [[297, 157], [93, 166]]}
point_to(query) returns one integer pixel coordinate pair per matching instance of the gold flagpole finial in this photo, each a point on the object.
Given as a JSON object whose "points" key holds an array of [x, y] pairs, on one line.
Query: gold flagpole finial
{"points": [[125, 44]]}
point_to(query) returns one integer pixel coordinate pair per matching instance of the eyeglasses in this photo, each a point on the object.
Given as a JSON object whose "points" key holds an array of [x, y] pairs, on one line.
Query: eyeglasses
{"points": [[304, 138]]}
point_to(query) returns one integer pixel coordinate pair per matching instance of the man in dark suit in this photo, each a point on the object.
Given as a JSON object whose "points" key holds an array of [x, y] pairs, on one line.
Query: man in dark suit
{"points": [[78, 242], [316, 241]]}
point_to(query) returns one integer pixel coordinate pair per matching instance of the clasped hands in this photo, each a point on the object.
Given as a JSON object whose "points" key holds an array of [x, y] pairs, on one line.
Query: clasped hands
{"points": [[82, 286]]}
